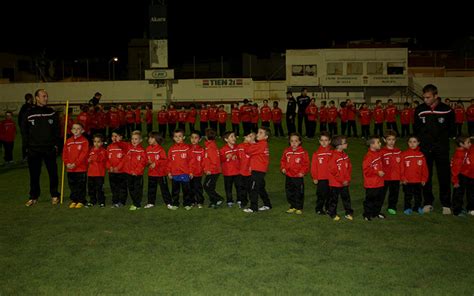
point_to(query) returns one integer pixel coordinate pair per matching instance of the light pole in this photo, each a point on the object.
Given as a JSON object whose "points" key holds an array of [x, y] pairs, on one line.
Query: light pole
{"points": [[113, 61]]}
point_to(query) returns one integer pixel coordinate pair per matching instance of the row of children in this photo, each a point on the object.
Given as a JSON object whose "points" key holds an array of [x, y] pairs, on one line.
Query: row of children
{"points": [[244, 167]]}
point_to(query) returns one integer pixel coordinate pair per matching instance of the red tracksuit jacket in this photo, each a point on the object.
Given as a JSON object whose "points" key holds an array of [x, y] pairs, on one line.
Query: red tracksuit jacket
{"points": [[222, 116], [467, 168], [8, 130], [212, 162], [116, 156], [179, 159], [182, 115], [172, 116], [459, 115], [371, 166], [135, 160], [295, 162], [332, 114], [351, 112], [114, 119], [235, 116], [255, 115], [149, 116], [130, 116], [340, 168], [191, 118], [76, 151], [391, 114], [212, 114], [276, 115], [157, 155], [265, 113], [365, 116], [343, 114], [230, 160], [246, 113], [138, 116], [97, 162], [379, 115], [470, 113], [259, 156], [319, 163], [204, 115], [83, 118], [405, 116], [312, 112], [323, 114], [197, 160], [414, 168], [457, 162], [391, 161], [162, 117], [244, 160]]}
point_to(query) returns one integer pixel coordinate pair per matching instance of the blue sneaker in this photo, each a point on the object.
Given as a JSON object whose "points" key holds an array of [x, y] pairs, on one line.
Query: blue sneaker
{"points": [[408, 211], [420, 211]]}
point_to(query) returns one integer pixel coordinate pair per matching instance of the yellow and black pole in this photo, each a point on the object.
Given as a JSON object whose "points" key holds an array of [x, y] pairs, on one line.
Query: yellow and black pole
{"points": [[66, 120]]}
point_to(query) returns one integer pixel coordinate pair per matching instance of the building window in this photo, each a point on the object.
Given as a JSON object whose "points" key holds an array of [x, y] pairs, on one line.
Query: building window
{"points": [[354, 68], [310, 70], [334, 69], [374, 68], [395, 68], [304, 70], [297, 70]]}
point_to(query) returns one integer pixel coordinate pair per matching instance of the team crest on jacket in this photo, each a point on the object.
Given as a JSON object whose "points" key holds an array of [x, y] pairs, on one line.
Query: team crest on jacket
{"points": [[183, 155], [50, 121], [419, 162], [79, 147], [298, 160], [441, 119], [398, 159]]}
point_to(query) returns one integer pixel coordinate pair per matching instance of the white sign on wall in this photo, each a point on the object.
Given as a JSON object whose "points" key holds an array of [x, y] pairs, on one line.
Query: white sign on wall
{"points": [[158, 53]]}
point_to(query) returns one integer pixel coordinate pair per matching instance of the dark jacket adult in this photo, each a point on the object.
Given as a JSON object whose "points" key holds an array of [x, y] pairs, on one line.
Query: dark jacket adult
{"points": [[40, 128]]}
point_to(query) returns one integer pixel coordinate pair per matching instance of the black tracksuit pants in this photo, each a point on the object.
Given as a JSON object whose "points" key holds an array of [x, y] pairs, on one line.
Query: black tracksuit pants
{"points": [[95, 187], [118, 186], [294, 188], [153, 182], [373, 201], [343, 192], [257, 188], [77, 186], [393, 189]]}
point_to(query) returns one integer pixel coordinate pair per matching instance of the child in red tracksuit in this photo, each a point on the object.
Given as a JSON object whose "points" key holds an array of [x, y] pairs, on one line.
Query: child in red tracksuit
{"points": [[462, 176], [373, 180], [294, 164], [96, 171], [230, 167], [244, 170], [197, 168], [135, 162], [391, 163], [157, 170], [212, 169], [414, 175], [179, 170], [259, 160], [340, 170], [115, 166], [75, 153], [320, 173], [7, 134]]}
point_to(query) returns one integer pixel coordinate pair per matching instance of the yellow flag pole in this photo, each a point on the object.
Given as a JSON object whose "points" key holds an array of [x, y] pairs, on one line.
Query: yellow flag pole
{"points": [[66, 120]]}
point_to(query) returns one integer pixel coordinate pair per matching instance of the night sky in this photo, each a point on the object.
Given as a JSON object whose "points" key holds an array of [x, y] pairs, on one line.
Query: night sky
{"points": [[102, 29]]}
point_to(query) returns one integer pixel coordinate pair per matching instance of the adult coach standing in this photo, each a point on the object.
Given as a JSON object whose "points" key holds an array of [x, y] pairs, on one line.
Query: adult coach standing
{"points": [[303, 102], [95, 99], [434, 123], [290, 113], [21, 116], [40, 128]]}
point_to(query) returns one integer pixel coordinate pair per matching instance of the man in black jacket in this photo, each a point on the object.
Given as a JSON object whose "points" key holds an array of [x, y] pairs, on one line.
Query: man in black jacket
{"points": [[40, 127], [95, 99], [434, 123], [21, 115], [303, 102], [290, 113]]}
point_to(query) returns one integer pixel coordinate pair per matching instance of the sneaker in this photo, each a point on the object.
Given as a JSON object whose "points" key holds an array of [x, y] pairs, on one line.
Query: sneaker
{"points": [[133, 208], [187, 208], [427, 209], [199, 206], [447, 211], [349, 217], [149, 206], [291, 211], [367, 218], [117, 205], [89, 205], [420, 211], [248, 210], [79, 205], [230, 204], [462, 214], [380, 216], [410, 211], [219, 203], [392, 211], [102, 205], [173, 208], [72, 205], [239, 203], [471, 213], [298, 212], [320, 212], [32, 202], [55, 201], [264, 208], [336, 218]]}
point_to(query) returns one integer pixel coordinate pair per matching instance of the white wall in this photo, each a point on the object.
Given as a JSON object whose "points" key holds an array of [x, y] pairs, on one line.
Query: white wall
{"points": [[449, 87]]}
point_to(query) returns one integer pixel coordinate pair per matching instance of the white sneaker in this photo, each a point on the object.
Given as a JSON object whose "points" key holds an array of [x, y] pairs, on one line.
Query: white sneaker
{"points": [[230, 204], [447, 211], [188, 208], [149, 206], [471, 213], [264, 208], [427, 209], [173, 208], [248, 210], [199, 206], [239, 203]]}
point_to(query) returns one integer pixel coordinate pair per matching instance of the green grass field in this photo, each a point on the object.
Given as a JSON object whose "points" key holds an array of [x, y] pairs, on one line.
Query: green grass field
{"points": [[50, 251]]}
